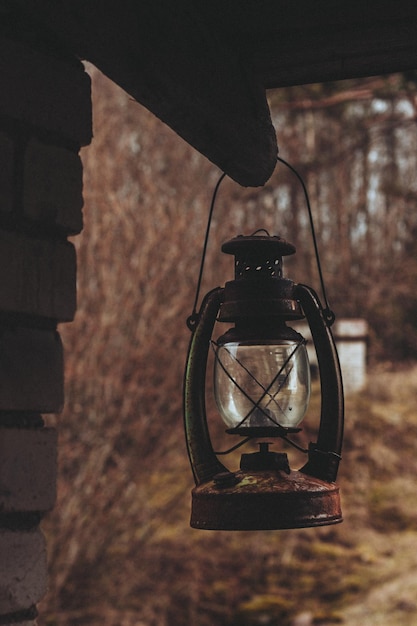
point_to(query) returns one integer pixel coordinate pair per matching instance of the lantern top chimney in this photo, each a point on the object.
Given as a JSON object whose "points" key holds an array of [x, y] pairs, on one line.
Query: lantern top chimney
{"points": [[258, 254]]}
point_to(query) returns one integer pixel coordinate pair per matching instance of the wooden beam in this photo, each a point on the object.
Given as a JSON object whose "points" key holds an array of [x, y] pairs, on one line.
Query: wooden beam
{"points": [[290, 42], [162, 53]]}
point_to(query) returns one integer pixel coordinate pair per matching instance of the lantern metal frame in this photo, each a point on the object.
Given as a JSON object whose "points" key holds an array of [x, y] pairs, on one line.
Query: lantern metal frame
{"points": [[265, 493], [273, 497]]}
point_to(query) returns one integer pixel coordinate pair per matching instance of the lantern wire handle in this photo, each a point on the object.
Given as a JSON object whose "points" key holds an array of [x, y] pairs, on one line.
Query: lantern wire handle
{"points": [[329, 315], [193, 318]]}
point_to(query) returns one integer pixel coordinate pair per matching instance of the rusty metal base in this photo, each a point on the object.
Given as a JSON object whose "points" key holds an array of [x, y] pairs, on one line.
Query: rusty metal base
{"points": [[265, 500]]}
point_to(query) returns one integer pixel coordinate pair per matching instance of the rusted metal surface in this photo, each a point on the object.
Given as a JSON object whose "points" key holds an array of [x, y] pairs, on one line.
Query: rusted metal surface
{"points": [[266, 500]]}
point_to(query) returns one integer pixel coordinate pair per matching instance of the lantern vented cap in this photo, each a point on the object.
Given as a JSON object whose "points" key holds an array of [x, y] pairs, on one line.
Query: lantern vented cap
{"points": [[259, 289], [258, 255]]}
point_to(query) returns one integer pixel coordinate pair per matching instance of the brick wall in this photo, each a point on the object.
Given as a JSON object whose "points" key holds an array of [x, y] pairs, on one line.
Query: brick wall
{"points": [[45, 116]]}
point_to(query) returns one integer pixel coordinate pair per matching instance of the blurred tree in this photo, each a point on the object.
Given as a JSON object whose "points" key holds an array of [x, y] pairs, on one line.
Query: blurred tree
{"points": [[355, 144]]}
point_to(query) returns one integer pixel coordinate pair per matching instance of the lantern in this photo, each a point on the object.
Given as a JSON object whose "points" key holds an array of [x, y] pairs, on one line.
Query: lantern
{"points": [[262, 390]]}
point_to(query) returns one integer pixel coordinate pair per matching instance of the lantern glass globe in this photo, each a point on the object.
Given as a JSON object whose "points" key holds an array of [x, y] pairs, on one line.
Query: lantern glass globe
{"points": [[262, 384]]}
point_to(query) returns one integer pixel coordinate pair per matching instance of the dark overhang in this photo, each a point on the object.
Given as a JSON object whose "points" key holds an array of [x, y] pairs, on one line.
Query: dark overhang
{"points": [[204, 67]]}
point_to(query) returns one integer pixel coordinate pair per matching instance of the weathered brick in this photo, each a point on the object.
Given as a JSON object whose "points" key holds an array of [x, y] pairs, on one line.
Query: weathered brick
{"points": [[37, 277], [31, 370], [6, 173], [52, 185], [46, 92], [23, 569], [27, 469]]}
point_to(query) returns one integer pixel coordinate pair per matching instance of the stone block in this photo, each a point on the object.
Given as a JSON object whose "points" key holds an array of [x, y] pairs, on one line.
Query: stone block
{"points": [[6, 173], [45, 91], [31, 370], [37, 277], [27, 469], [23, 569], [52, 186]]}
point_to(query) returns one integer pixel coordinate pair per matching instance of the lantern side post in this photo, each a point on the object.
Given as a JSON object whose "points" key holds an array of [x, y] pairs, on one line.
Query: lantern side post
{"points": [[204, 462], [325, 454]]}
